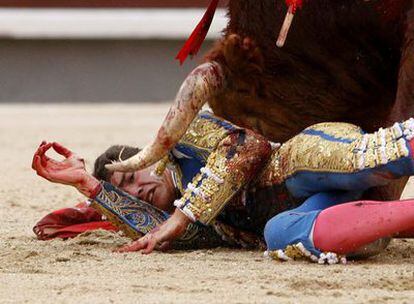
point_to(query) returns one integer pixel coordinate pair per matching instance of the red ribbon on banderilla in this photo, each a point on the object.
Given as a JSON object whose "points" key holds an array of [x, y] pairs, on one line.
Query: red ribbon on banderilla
{"points": [[197, 37]]}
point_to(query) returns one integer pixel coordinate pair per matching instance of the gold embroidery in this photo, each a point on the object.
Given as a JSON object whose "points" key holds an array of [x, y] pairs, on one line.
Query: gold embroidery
{"points": [[178, 175], [298, 252], [202, 137], [227, 170], [162, 165], [204, 134], [333, 148], [215, 195], [116, 206]]}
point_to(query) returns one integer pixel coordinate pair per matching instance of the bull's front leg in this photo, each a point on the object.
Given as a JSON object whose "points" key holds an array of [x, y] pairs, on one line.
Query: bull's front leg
{"points": [[202, 84]]}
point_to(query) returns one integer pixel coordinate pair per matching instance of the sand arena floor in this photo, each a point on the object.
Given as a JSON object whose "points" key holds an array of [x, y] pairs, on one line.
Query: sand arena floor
{"points": [[84, 269]]}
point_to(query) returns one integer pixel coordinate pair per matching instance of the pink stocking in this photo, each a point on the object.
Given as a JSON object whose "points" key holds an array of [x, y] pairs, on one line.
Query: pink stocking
{"points": [[347, 227]]}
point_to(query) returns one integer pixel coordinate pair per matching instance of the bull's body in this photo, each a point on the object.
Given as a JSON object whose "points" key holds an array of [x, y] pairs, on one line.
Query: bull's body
{"points": [[344, 60], [340, 63]]}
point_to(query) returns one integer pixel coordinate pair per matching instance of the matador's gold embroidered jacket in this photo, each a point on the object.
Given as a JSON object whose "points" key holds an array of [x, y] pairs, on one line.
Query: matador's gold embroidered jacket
{"points": [[232, 175]]}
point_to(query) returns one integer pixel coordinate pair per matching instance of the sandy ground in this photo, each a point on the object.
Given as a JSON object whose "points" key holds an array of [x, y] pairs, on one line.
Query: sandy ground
{"points": [[84, 270]]}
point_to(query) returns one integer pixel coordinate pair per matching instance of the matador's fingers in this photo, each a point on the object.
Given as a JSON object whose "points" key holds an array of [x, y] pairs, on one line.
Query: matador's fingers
{"points": [[36, 153], [165, 246], [43, 148], [46, 160], [36, 162], [134, 246], [41, 153], [152, 243], [33, 160], [40, 170], [62, 150]]}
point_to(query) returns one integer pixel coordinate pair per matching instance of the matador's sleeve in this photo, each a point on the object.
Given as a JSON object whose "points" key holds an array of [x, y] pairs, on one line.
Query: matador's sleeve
{"points": [[136, 218], [130, 214], [234, 162]]}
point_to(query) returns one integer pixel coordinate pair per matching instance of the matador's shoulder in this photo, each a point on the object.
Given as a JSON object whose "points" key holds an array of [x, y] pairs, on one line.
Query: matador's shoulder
{"points": [[207, 131], [190, 154]]}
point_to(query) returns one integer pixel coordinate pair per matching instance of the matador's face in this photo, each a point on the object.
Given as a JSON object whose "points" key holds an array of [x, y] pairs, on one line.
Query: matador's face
{"points": [[157, 191]]}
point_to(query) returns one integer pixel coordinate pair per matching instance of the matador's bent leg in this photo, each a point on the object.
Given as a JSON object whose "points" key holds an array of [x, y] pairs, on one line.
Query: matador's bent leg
{"points": [[346, 227], [321, 228], [202, 84]]}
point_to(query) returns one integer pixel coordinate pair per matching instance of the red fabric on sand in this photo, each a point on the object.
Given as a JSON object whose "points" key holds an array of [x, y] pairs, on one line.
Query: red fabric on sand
{"points": [[69, 222]]}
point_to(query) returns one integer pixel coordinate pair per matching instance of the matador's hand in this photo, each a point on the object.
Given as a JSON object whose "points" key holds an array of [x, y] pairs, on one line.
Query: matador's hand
{"points": [[162, 236], [71, 171]]}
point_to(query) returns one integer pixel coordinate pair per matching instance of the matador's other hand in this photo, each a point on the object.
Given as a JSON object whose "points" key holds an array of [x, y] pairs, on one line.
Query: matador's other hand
{"points": [[70, 171], [161, 236]]}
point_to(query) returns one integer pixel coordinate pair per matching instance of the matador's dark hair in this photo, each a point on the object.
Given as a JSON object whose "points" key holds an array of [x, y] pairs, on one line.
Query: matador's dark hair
{"points": [[113, 153]]}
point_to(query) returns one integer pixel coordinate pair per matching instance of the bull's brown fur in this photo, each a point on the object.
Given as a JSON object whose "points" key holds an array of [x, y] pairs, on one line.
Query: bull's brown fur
{"points": [[344, 60]]}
